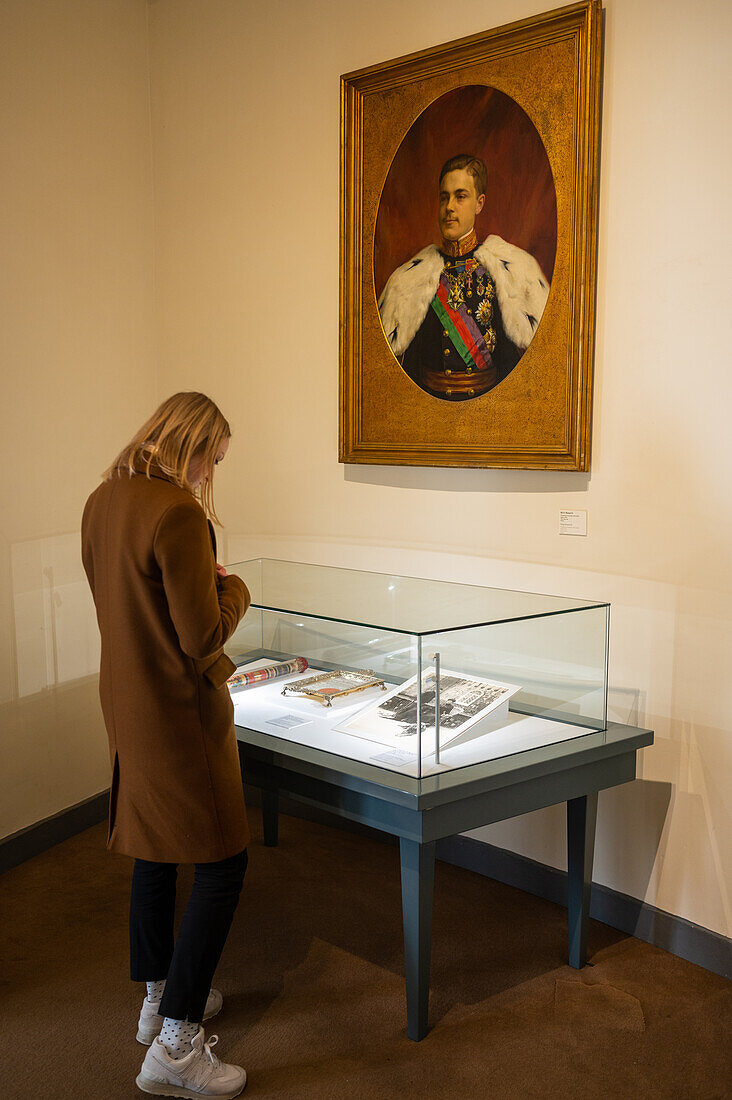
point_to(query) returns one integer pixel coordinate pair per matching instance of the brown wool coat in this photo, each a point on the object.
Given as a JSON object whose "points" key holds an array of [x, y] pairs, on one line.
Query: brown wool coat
{"points": [[149, 554]]}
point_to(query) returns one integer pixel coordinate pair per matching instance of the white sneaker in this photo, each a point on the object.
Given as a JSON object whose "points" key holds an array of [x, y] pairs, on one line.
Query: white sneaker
{"points": [[200, 1073], [150, 1022]]}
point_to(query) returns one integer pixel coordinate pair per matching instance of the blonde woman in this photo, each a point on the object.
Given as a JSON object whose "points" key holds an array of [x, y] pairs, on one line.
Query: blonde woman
{"points": [[165, 609]]}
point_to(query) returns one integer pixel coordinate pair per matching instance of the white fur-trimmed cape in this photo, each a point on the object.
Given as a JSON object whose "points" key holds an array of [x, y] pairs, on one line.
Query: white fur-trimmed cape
{"points": [[521, 289]]}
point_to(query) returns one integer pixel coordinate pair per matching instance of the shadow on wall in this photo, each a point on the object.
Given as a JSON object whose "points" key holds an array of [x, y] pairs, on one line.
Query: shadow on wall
{"points": [[627, 705], [701, 814], [635, 817], [54, 624], [469, 480], [671, 837], [54, 748]]}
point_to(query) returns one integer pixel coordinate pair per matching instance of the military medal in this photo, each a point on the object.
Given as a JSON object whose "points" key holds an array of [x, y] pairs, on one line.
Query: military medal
{"points": [[484, 312], [456, 297]]}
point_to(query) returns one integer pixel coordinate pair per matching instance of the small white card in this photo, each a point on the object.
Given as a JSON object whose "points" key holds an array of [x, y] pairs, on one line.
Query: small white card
{"points": [[395, 757], [287, 721], [572, 522]]}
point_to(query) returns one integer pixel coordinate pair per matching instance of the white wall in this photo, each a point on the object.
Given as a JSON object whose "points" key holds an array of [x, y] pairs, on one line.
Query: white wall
{"points": [[245, 128], [77, 366], [223, 276]]}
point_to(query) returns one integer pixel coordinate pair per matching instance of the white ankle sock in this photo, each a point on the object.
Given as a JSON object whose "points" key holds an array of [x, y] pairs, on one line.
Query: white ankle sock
{"points": [[155, 990], [177, 1036]]}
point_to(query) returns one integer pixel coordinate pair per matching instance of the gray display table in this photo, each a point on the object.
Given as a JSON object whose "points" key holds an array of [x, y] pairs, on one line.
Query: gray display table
{"points": [[421, 812]]}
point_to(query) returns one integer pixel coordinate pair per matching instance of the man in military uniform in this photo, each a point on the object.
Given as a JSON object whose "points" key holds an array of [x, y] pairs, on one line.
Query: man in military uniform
{"points": [[459, 317]]}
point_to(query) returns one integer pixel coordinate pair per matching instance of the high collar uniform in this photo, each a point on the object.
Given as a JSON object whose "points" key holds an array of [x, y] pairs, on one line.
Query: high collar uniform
{"points": [[164, 616], [459, 318]]}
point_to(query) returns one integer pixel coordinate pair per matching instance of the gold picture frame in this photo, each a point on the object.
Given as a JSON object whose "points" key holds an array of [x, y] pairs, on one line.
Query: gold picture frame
{"points": [[539, 415], [327, 686]]}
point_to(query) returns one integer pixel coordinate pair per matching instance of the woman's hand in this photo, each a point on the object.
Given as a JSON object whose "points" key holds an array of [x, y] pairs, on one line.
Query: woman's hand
{"points": [[220, 571]]}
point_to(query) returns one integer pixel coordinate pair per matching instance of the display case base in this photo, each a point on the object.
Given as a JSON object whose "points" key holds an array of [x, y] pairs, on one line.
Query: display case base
{"points": [[421, 812]]}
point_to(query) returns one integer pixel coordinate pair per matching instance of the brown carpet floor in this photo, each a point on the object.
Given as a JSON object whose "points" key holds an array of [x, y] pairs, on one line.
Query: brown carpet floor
{"points": [[312, 977]]}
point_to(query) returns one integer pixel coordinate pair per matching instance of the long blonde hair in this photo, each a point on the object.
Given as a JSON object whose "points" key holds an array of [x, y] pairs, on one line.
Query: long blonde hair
{"points": [[186, 426]]}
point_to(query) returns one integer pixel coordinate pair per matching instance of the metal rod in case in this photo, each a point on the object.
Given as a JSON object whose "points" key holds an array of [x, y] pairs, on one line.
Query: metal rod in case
{"points": [[419, 709], [436, 659]]}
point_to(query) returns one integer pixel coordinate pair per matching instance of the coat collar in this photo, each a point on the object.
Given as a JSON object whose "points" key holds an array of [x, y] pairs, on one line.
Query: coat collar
{"points": [[140, 467]]}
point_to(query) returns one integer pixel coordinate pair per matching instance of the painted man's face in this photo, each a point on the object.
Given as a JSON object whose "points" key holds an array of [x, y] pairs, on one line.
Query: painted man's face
{"points": [[459, 204]]}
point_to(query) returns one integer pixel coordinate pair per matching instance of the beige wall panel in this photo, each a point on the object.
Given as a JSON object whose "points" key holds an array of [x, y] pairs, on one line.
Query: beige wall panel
{"points": [[245, 125], [78, 373]]}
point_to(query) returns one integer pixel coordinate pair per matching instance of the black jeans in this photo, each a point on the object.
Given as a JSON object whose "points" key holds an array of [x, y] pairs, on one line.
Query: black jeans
{"points": [[190, 962]]}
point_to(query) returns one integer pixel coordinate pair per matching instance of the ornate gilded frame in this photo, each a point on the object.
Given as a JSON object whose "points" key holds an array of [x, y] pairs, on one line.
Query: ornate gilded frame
{"points": [[539, 417]]}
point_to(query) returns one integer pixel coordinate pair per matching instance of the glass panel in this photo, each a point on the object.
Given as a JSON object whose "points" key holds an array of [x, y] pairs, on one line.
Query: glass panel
{"points": [[507, 687], [515, 686], [406, 604], [265, 638]]}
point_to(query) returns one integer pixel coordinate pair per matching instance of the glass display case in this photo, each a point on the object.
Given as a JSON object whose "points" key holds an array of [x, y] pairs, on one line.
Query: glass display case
{"points": [[415, 676]]}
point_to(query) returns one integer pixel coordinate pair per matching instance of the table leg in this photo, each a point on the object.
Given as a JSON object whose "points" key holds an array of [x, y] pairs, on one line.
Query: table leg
{"points": [[581, 820], [270, 816], [418, 882]]}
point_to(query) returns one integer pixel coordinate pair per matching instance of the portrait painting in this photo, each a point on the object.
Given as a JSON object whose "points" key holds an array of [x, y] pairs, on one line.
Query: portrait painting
{"points": [[465, 243], [468, 199]]}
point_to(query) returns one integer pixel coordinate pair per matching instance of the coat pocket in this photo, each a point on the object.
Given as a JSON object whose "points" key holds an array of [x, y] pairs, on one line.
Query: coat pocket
{"points": [[219, 671]]}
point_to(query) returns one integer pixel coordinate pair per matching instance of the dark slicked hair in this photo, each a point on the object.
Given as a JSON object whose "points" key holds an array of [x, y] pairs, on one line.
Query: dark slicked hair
{"points": [[471, 164]]}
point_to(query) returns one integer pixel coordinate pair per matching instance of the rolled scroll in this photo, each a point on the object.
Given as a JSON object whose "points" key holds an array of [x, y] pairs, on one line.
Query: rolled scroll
{"points": [[267, 672]]}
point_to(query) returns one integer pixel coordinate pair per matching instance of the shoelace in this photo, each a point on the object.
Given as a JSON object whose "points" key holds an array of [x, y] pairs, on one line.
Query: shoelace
{"points": [[215, 1062]]}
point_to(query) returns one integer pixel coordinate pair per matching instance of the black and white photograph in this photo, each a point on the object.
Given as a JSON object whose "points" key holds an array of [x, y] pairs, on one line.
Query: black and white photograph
{"points": [[464, 701]]}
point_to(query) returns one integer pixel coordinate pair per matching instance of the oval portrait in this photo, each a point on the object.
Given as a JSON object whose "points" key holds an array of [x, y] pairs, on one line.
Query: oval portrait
{"points": [[465, 242]]}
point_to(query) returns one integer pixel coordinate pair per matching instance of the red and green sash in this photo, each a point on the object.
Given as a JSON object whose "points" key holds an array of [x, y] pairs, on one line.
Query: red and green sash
{"points": [[462, 331]]}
